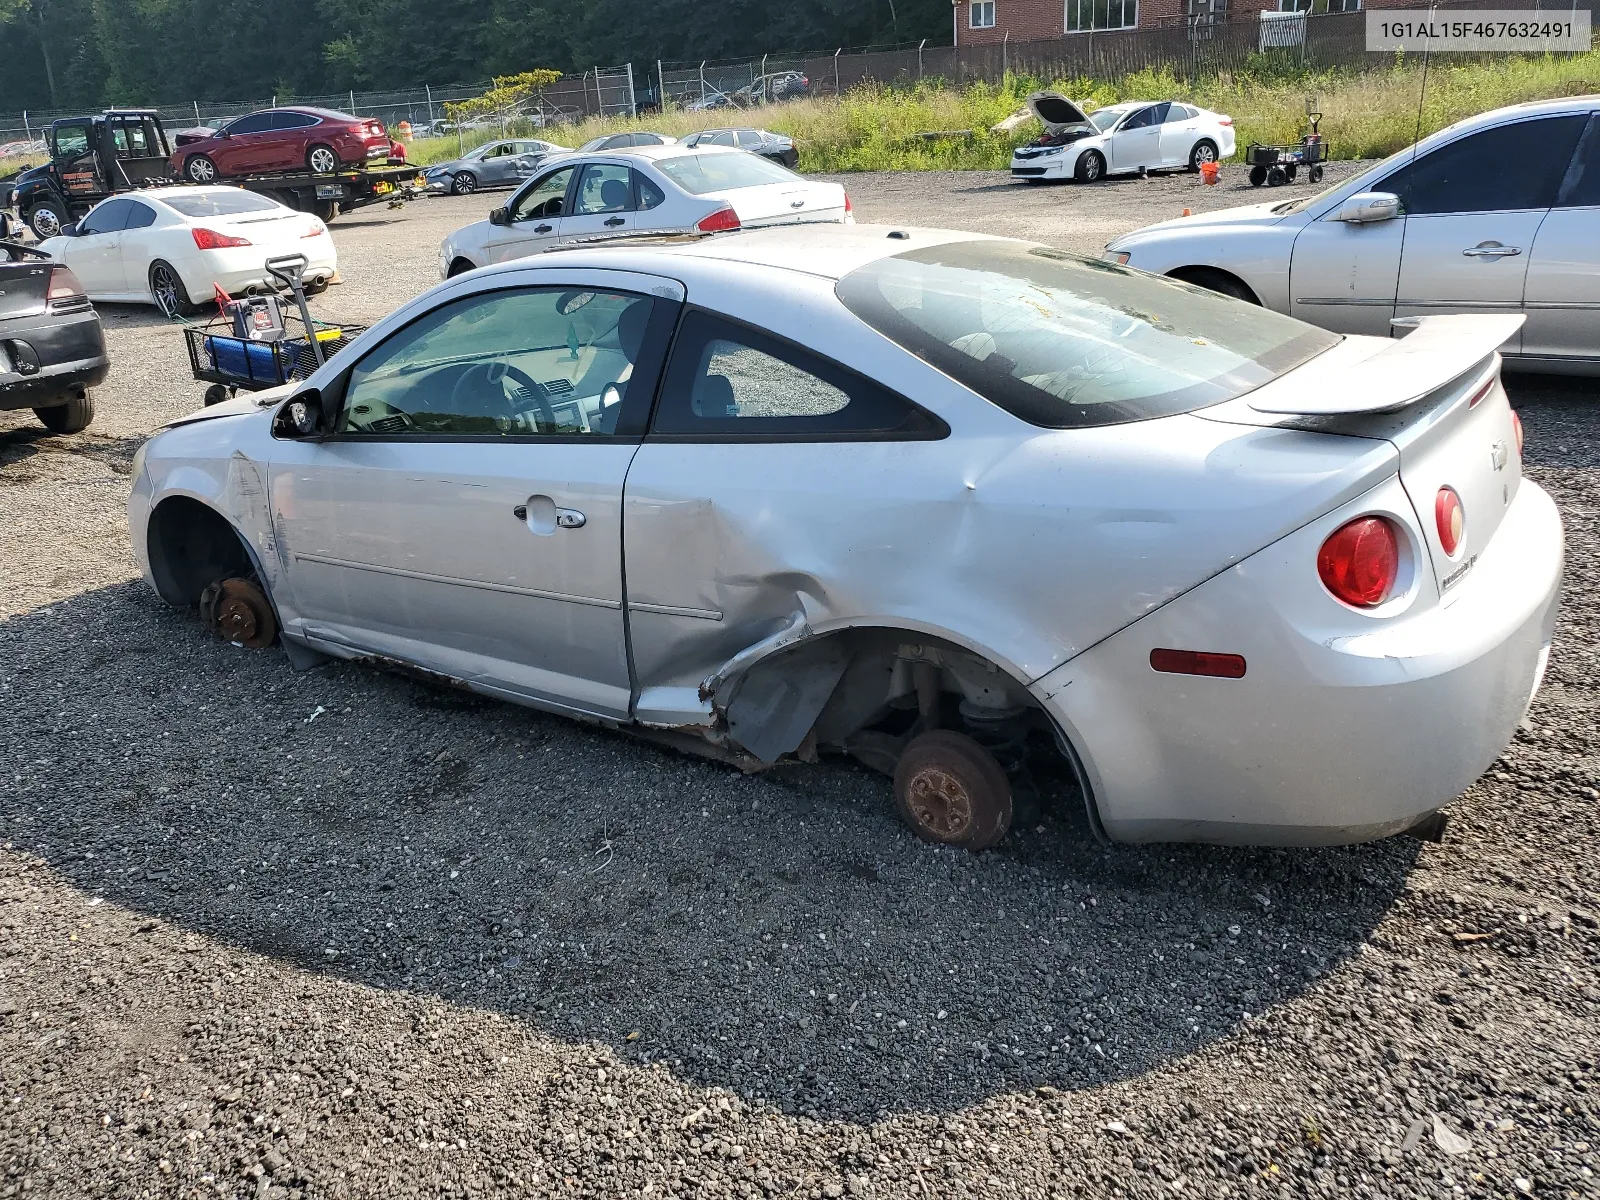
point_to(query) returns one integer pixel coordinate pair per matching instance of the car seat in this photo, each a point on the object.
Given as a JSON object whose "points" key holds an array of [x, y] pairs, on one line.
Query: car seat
{"points": [[614, 195], [713, 397]]}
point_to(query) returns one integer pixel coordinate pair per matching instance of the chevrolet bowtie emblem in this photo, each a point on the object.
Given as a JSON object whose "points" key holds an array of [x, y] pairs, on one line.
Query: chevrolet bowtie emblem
{"points": [[1498, 455]]}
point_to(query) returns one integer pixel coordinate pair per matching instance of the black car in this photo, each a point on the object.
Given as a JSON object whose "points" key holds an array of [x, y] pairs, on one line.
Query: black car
{"points": [[780, 148], [52, 350], [621, 141]]}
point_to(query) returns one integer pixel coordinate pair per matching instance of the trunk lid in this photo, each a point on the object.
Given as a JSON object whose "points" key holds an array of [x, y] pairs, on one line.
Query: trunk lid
{"points": [[23, 288], [1436, 396], [784, 203], [1055, 112]]}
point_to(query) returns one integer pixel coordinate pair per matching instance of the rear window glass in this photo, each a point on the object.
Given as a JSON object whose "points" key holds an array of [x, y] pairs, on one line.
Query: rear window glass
{"points": [[220, 204], [1063, 341], [698, 174]]}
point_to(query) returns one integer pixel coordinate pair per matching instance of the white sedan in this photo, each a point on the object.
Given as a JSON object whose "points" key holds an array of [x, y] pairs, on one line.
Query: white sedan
{"points": [[172, 247], [1425, 232], [1120, 138], [947, 503], [641, 190]]}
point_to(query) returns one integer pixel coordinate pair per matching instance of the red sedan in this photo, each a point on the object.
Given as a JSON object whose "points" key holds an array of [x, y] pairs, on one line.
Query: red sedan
{"points": [[283, 139]]}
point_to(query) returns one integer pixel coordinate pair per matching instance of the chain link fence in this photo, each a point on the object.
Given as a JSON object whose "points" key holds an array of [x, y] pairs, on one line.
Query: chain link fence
{"points": [[606, 91]]}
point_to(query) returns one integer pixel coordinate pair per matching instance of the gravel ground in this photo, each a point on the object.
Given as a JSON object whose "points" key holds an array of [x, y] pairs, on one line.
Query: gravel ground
{"points": [[267, 934]]}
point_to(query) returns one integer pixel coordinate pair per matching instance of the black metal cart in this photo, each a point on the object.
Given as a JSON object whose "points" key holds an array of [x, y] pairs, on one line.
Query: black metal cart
{"points": [[1278, 165], [253, 345]]}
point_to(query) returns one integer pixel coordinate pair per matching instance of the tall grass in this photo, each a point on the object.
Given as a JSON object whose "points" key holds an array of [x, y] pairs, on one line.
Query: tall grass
{"points": [[1365, 114]]}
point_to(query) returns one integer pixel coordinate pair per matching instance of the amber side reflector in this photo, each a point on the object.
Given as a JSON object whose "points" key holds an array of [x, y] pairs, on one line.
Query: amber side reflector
{"points": [[1198, 662]]}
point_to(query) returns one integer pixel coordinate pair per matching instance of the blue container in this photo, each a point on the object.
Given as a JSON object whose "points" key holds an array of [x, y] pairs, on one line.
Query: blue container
{"points": [[243, 359]]}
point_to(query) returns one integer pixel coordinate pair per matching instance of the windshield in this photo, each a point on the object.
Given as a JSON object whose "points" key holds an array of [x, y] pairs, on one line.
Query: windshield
{"points": [[1063, 341], [1105, 118], [698, 174], [224, 202]]}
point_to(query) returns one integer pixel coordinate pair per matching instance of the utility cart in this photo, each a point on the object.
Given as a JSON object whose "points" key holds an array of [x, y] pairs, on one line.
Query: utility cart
{"points": [[1278, 165], [254, 344]]}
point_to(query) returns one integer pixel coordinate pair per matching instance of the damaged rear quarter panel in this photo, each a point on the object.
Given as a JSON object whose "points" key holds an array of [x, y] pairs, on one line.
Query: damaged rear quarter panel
{"points": [[1022, 544]]}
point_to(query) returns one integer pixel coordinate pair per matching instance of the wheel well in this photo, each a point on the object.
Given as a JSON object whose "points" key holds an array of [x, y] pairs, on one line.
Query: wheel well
{"points": [[192, 546], [1215, 279], [460, 267]]}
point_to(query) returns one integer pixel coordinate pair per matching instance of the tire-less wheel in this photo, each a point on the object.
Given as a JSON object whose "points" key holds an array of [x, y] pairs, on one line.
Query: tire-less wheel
{"points": [[464, 183], [168, 291], [1090, 167], [950, 790], [46, 219], [72, 417], [199, 168], [236, 610], [321, 160], [1205, 150]]}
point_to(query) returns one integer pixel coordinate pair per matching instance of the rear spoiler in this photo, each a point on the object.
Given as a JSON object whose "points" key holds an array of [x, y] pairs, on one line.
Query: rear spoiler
{"points": [[1438, 351]]}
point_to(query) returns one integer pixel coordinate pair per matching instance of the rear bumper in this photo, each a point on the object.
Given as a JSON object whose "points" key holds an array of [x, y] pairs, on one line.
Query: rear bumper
{"points": [[1333, 736], [70, 352]]}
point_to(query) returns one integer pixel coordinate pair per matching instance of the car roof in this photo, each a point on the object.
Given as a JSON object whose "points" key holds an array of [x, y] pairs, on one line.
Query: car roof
{"points": [[167, 193], [824, 248]]}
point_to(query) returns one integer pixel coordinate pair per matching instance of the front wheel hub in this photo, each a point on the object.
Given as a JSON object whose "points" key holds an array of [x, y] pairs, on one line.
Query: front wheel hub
{"points": [[238, 611]]}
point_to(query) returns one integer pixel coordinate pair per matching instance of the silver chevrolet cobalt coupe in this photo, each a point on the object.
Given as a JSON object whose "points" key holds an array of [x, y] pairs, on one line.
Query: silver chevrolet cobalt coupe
{"points": [[977, 512]]}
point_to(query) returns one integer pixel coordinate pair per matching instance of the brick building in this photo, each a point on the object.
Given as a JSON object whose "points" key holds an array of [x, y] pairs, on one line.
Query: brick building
{"points": [[985, 22]]}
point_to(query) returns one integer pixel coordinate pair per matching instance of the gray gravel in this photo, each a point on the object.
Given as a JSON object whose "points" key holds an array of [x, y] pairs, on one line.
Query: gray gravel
{"points": [[267, 934]]}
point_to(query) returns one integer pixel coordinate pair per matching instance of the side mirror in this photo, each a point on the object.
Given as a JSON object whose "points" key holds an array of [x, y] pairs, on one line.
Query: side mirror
{"points": [[1366, 207], [70, 230], [222, 133], [500, 216], [301, 417]]}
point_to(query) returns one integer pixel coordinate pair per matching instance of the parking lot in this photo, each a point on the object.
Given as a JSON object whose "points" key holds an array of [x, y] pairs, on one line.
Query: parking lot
{"points": [[267, 934]]}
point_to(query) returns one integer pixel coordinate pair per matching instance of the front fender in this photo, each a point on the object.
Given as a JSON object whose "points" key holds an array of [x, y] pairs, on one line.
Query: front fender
{"points": [[1256, 254]]}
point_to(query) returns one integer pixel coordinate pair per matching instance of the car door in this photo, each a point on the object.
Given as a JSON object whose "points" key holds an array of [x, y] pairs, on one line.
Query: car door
{"points": [[238, 146], [95, 252], [534, 217], [1562, 292], [1343, 275], [1471, 218], [1180, 130], [466, 513], [756, 444], [286, 142], [602, 205], [1137, 142], [496, 164], [73, 147], [135, 251]]}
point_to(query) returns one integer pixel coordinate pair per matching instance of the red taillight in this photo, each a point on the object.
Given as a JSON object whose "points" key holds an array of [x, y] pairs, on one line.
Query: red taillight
{"points": [[1225, 121], [316, 230], [721, 221], [1360, 561], [1198, 662], [848, 207], [1516, 424], [64, 287], [210, 239], [1451, 520]]}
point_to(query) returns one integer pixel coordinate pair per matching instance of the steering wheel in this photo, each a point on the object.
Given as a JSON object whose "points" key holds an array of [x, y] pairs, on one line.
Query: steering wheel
{"points": [[493, 375]]}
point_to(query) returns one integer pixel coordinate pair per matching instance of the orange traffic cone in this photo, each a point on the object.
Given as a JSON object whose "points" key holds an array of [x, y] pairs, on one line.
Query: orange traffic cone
{"points": [[1187, 213]]}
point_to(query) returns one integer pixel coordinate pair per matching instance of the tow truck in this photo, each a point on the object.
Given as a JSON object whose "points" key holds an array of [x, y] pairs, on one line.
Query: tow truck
{"points": [[124, 149]]}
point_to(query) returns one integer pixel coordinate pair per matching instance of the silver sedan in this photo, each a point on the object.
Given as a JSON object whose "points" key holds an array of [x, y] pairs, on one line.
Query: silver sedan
{"points": [[500, 164], [1431, 230], [982, 514], [641, 190]]}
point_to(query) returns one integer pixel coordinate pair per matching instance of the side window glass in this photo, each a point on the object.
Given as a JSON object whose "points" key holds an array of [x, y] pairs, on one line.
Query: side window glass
{"points": [[646, 194], [71, 140], [1455, 178], [497, 151], [724, 138], [1581, 186], [544, 198], [254, 123], [1177, 113], [140, 216], [749, 137], [108, 218], [1142, 119], [604, 188], [726, 378], [529, 362]]}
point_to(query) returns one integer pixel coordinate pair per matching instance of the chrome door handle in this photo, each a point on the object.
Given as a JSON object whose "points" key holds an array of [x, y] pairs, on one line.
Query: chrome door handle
{"points": [[569, 518], [1491, 250]]}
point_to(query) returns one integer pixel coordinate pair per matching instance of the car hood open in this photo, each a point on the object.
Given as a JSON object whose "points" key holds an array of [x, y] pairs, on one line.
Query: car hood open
{"points": [[1055, 112]]}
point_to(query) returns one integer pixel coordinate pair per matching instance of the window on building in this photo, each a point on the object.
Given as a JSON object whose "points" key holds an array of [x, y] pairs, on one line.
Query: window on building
{"points": [[1294, 5], [1344, 6], [980, 14], [1085, 16]]}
